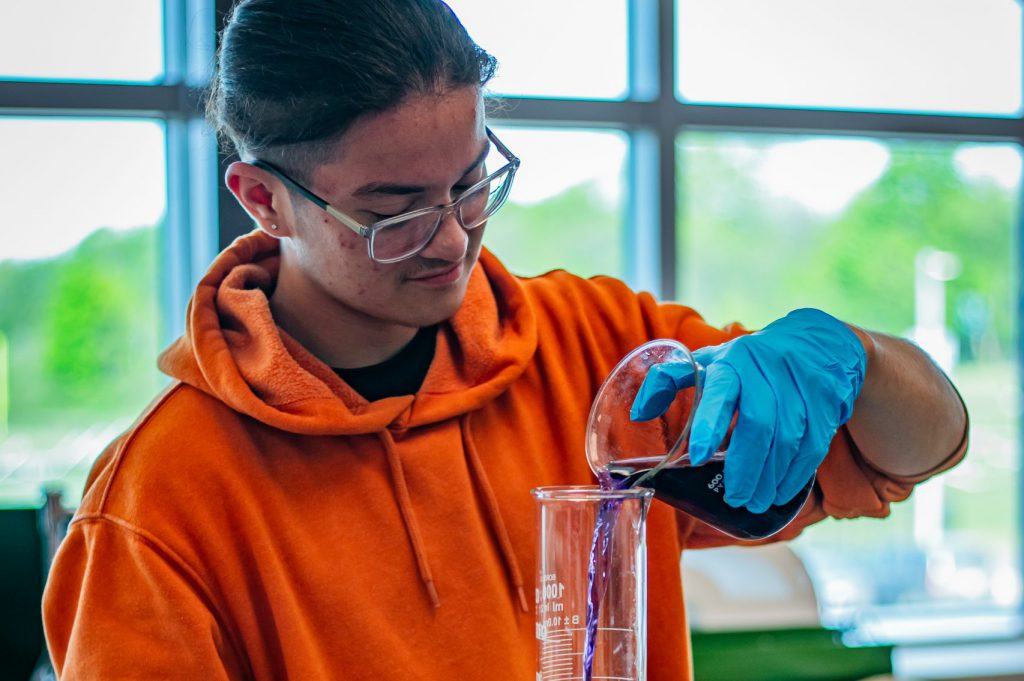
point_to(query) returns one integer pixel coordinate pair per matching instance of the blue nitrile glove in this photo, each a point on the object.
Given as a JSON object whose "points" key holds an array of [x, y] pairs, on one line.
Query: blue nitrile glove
{"points": [[793, 384]]}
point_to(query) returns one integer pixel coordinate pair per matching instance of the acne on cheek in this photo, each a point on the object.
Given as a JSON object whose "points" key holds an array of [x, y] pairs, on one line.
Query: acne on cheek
{"points": [[347, 243]]}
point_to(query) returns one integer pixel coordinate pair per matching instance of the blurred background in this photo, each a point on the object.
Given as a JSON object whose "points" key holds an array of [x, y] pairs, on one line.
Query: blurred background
{"points": [[744, 157]]}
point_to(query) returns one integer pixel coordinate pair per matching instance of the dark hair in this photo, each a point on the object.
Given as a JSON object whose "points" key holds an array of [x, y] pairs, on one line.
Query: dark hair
{"points": [[293, 75]]}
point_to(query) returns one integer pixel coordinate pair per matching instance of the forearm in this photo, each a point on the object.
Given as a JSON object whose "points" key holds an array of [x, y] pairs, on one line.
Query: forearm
{"points": [[908, 418]]}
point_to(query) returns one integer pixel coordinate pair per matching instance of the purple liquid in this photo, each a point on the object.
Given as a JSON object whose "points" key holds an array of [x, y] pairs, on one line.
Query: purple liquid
{"points": [[597, 570]]}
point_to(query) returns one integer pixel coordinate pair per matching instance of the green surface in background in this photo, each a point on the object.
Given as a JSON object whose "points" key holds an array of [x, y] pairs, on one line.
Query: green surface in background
{"points": [[784, 655]]}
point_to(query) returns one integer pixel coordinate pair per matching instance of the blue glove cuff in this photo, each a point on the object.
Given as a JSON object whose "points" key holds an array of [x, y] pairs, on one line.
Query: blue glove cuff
{"points": [[835, 340]]}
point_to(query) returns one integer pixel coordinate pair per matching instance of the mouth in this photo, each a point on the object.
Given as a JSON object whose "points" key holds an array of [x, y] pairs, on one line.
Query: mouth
{"points": [[441, 277]]}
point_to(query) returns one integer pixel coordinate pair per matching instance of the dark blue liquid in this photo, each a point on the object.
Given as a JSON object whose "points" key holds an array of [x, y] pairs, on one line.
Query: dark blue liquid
{"points": [[699, 491]]}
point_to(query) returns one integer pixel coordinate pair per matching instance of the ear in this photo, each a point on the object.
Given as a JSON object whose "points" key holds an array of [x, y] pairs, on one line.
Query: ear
{"points": [[263, 197]]}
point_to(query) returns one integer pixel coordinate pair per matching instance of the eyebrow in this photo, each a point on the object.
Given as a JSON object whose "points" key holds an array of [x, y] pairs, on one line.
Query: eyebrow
{"points": [[404, 189]]}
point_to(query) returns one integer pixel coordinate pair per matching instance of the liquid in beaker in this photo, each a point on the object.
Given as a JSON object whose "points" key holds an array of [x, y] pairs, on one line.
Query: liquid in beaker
{"points": [[699, 491]]}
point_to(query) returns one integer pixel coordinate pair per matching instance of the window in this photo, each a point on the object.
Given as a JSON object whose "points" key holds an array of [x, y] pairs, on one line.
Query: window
{"points": [[80, 299], [567, 198], [911, 238], [573, 49], [960, 56], [113, 40], [109, 186]]}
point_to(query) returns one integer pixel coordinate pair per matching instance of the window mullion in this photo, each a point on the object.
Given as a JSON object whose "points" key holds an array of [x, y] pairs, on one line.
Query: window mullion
{"points": [[190, 233], [667, 126]]}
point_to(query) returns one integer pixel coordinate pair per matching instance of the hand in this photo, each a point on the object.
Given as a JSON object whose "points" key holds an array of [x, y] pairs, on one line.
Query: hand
{"points": [[793, 384]]}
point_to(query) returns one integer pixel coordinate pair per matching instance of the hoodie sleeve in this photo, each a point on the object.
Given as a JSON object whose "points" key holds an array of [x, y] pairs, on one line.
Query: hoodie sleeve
{"points": [[119, 605]]}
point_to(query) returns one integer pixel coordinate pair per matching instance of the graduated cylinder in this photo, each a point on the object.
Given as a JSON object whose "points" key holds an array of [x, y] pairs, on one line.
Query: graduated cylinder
{"points": [[591, 594]]}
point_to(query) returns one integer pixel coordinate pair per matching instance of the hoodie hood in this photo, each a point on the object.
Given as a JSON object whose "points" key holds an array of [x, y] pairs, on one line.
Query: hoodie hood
{"points": [[233, 350]]}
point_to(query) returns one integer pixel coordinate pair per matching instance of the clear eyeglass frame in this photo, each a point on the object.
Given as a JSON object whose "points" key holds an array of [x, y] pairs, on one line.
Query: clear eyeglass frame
{"points": [[503, 176]]}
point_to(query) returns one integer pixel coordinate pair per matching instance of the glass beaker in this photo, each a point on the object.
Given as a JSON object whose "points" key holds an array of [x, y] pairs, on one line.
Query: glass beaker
{"points": [[624, 453], [591, 593], [612, 436]]}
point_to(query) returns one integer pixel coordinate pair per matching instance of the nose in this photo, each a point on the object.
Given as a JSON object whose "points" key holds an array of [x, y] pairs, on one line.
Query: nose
{"points": [[450, 240]]}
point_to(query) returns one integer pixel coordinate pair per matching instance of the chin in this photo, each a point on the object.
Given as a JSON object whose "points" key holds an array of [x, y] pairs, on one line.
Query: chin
{"points": [[438, 307], [422, 306], [442, 311]]}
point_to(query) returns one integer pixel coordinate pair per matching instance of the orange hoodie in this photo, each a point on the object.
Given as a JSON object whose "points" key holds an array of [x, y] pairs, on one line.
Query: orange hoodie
{"points": [[263, 521]]}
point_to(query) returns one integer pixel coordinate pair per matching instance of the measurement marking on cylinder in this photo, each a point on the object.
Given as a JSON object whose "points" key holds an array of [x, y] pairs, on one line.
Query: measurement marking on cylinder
{"points": [[575, 678], [556, 655], [578, 678]]}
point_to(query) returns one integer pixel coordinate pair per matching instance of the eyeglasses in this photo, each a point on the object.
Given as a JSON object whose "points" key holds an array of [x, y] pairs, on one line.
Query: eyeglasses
{"points": [[402, 236]]}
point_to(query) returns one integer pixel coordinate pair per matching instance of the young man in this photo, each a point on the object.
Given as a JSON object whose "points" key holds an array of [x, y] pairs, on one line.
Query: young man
{"points": [[336, 485]]}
